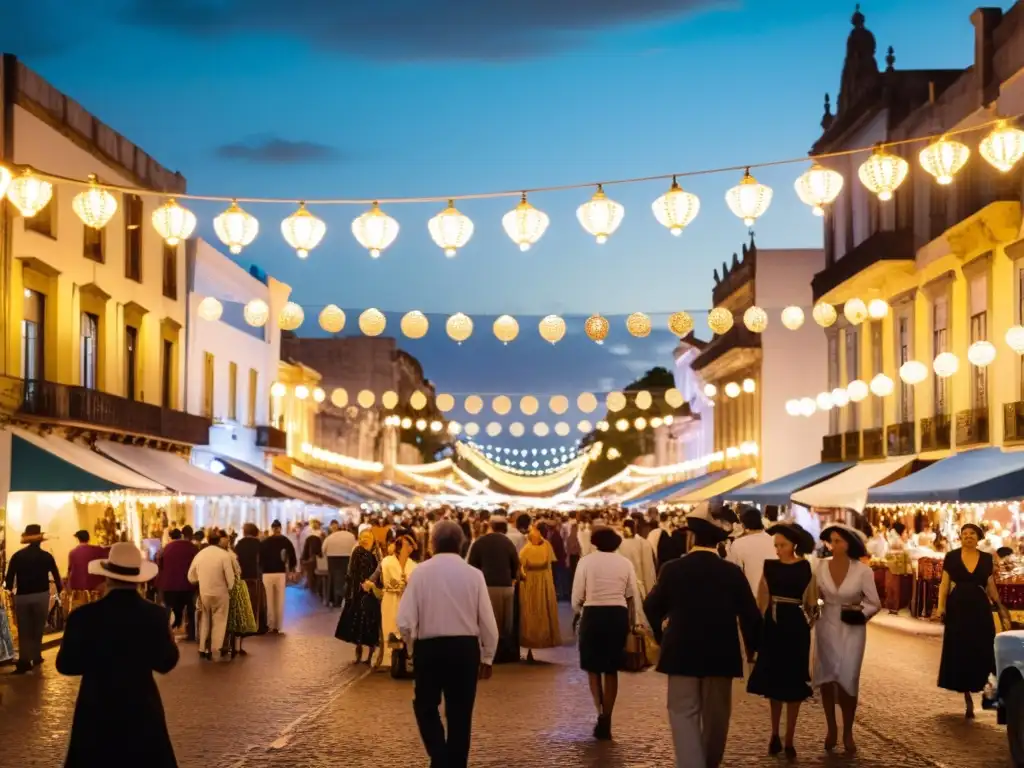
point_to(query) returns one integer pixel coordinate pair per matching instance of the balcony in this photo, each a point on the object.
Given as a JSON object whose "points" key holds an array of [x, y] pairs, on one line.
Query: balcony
{"points": [[271, 439], [873, 446], [851, 446], [737, 337], [900, 439], [935, 433], [1013, 422], [891, 245], [79, 405], [972, 426], [832, 448]]}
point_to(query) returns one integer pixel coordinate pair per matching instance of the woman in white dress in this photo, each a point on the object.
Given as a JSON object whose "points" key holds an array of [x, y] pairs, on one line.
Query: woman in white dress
{"points": [[640, 553], [394, 575], [847, 587]]}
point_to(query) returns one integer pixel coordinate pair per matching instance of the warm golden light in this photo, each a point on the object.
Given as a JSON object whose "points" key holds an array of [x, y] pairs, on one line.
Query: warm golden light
{"points": [[840, 397], [444, 402], [680, 324], [600, 216], [755, 319], [856, 311], [878, 309], [824, 314], [375, 231], [29, 193], [319, 395], [720, 320], [303, 231], [414, 324], [236, 228], [339, 397], [277, 389], [94, 206], [1015, 339], [1003, 147], [210, 309], [501, 405], [793, 318], [366, 399], [450, 229], [857, 390], [256, 313], [586, 402], [881, 385], [944, 158], [639, 325], [883, 172], [945, 365], [173, 222], [525, 225], [818, 187], [710, 390], [732, 389], [981, 354], [506, 329], [372, 322], [913, 372], [749, 386], [301, 392], [291, 317], [552, 329], [332, 319], [676, 209], [596, 327], [749, 200], [459, 327]]}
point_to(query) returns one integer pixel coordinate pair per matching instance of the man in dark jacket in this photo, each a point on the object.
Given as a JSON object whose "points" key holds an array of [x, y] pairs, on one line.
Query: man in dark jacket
{"points": [[495, 555], [247, 550], [28, 575], [702, 596], [277, 560], [179, 593]]}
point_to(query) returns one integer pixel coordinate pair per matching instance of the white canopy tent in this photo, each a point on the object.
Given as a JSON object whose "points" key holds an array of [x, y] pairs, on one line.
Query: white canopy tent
{"points": [[849, 489]]}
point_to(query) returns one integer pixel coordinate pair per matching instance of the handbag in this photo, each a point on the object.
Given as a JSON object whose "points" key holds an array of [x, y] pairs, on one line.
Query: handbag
{"points": [[401, 665], [652, 651], [853, 616], [634, 655], [55, 619]]}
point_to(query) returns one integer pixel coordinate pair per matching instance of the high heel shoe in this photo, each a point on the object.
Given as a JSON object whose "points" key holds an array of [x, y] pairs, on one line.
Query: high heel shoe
{"points": [[774, 746], [830, 742], [790, 753], [603, 729]]}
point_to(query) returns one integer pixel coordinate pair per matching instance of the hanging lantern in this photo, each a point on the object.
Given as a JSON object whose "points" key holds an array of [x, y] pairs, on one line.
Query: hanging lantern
{"points": [[414, 324], [674, 398], [1015, 339], [878, 309], [602, 426], [823, 401], [29, 193], [540, 429], [749, 200], [643, 400], [586, 402], [680, 324], [444, 402], [793, 407], [913, 372], [562, 429], [501, 405], [981, 354], [732, 389], [807, 407], [656, 422], [622, 425], [277, 389], [945, 364], [856, 311], [332, 319], [640, 423], [596, 327], [291, 317], [95, 206], [676, 209], [615, 401], [5, 180], [552, 329], [301, 392], [720, 320], [1004, 147], [883, 172], [372, 322], [454, 428], [529, 405], [473, 405], [793, 318], [710, 390], [749, 385], [459, 327], [881, 385], [558, 404], [824, 314], [506, 329], [857, 390], [525, 225], [493, 429], [516, 429], [339, 397], [303, 231], [319, 395], [756, 319], [236, 228], [389, 400], [818, 186], [584, 426], [375, 230], [210, 309], [366, 399], [173, 222], [472, 429], [840, 397], [257, 313], [638, 324], [944, 158], [600, 216], [450, 229]]}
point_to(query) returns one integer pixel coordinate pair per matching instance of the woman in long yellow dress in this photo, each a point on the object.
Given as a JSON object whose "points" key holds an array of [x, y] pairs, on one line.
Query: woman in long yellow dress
{"points": [[538, 604]]}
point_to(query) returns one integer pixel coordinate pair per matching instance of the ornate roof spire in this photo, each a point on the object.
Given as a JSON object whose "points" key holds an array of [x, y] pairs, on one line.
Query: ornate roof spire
{"points": [[827, 118], [860, 70], [858, 18], [890, 60]]}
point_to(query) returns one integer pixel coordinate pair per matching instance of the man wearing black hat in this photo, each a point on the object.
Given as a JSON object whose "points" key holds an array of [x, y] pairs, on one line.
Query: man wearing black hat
{"points": [[277, 559], [28, 575], [701, 596]]}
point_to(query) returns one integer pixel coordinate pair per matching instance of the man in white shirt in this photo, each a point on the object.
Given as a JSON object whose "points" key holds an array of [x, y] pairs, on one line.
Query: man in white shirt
{"points": [[337, 549], [877, 545], [446, 618], [750, 550], [213, 571]]}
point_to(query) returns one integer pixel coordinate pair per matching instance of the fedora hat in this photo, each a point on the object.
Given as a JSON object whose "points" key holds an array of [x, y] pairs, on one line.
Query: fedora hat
{"points": [[32, 533], [801, 538], [703, 526], [855, 540], [124, 563]]}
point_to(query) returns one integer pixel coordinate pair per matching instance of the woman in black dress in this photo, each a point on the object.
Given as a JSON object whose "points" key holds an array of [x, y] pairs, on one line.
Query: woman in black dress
{"points": [[787, 596], [360, 620], [966, 595]]}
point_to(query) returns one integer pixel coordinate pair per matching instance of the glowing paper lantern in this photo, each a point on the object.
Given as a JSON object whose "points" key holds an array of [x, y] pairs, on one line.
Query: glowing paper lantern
{"points": [[720, 320], [1003, 147], [171, 221], [615, 401], [303, 231], [506, 329], [913, 372], [459, 327], [793, 318], [552, 329], [881, 385], [529, 405], [856, 311], [643, 400], [414, 324], [878, 309], [375, 230], [472, 429], [749, 200], [840, 397], [366, 398], [1015, 339], [417, 401], [236, 228], [501, 405], [540, 429], [596, 327], [444, 402], [558, 404], [818, 187], [450, 229], [600, 216], [319, 395], [525, 225], [95, 206], [823, 401], [680, 324], [755, 319], [473, 405], [639, 325], [981, 354], [732, 389], [584, 426], [210, 309], [710, 390], [332, 319], [372, 322], [824, 314], [301, 392], [857, 390], [944, 158], [622, 425], [339, 398], [945, 365], [749, 386], [516, 429], [389, 399], [493, 429], [277, 389], [807, 407], [562, 429], [674, 398], [586, 402], [29, 193], [883, 172], [676, 209], [793, 407], [291, 317], [256, 313]]}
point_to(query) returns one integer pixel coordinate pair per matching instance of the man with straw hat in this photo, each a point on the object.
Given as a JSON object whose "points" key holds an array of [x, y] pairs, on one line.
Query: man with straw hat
{"points": [[115, 644], [28, 574]]}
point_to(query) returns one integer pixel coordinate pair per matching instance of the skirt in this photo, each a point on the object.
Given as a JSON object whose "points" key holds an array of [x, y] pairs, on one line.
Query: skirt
{"points": [[603, 631]]}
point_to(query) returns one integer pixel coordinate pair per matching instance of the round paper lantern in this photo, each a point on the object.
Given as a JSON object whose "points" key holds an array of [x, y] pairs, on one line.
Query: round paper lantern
{"points": [[94, 206], [291, 317], [680, 324], [756, 319], [818, 187], [643, 400], [823, 401], [444, 402], [807, 407], [883, 172], [584, 426], [529, 405], [493, 429], [596, 327], [615, 401], [732, 389], [257, 313], [372, 322], [562, 429], [389, 399], [454, 428], [793, 407], [524, 224], [332, 319], [720, 320], [417, 401], [857, 390], [29, 193], [640, 424], [913, 372], [421, 425], [981, 354], [600, 216], [414, 324], [1015, 339], [945, 365], [602, 426], [622, 425], [674, 398], [793, 318], [540, 429], [710, 390], [301, 392], [749, 200], [552, 329], [277, 389], [437, 426], [749, 386], [856, 311], [840, 397], [319, 395], [1003, 147], [506, 329], [303, 231], [638, 324], [656, 422], [878, 309], [236, 228], [450, 229], [881, 385], [406, 423], [472, 429], [210, 309], [676, 209], [459, 327], [824, 314], [516, 429], [558, 404], [375, 230], [366, 398], [339, 397], [501, 405], [173, 222], [944, 158], [473, 405], [586, 402]]}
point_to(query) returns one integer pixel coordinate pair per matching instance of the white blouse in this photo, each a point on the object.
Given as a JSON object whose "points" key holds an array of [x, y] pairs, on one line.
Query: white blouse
{"points": [[603, 578]]}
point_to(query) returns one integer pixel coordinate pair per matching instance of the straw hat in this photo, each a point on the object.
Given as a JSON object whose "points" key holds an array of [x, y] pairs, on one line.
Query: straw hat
{"points": [[32, 533], [124, 563]]}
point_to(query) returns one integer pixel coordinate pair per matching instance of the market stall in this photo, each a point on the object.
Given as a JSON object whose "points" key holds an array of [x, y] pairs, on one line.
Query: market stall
{"points": [[717, 487], [668, 491], [779, 491]]}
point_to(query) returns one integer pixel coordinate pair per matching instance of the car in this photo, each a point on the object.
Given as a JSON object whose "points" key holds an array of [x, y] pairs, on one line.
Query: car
{"points": [[1005, 691]]}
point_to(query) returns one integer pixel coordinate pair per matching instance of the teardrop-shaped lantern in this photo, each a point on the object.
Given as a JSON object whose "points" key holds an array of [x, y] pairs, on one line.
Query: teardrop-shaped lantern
{"points": [[236, 228], [303, 231], [525, 225], [818, 187], [600, 216], [944, 158], [749, 200], [173, 222], [1004, 147], [883, 172], [680, 323], [676, 209], [506, 329], [552, 329], [375, 230], [596, 327], [95, 206], [459, 327], [450, 229], [414, 324], [291, 317], [332, 319], [29, 193]]}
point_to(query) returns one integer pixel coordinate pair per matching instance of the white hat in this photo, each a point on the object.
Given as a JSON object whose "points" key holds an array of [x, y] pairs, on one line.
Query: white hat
{"points": [[124, 563]]}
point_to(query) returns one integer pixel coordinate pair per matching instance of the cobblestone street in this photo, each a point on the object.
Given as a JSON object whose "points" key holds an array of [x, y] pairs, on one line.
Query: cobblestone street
{"points": [[295, 702]]}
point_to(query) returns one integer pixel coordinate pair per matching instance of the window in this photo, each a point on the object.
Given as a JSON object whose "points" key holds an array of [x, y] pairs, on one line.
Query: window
{"points": [[852, 373], [131, 345], [167, 374], [87, 351], [877, 406], [43, 222], [93, 244], [905, 402], [233, 391], [208, 386], [171, 271], [940, 343], [833, 381], [979, 374], [254, 379], [133, 237], [32, 336]]}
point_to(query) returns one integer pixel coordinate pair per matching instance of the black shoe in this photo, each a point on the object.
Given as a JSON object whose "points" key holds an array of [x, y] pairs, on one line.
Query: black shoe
{"points": [[37, 662], [791, 753], [603, 731], [204, 656], [22, 669], [774, 746]]}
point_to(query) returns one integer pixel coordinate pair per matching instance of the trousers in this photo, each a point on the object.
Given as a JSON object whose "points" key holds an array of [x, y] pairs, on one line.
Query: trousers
{"points": [[337, 569], [31, 611], [275, 584], [446, 667], [698, 713], [177, 604], [213, 622]]}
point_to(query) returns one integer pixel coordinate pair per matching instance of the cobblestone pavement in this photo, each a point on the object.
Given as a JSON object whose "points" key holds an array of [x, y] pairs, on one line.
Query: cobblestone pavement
{"points": [[297, 703]]}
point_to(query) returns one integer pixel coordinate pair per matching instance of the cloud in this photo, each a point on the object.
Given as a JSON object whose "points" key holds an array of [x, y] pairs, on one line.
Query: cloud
{"points": [[277, 151], [619, 350], [415, 29]]}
